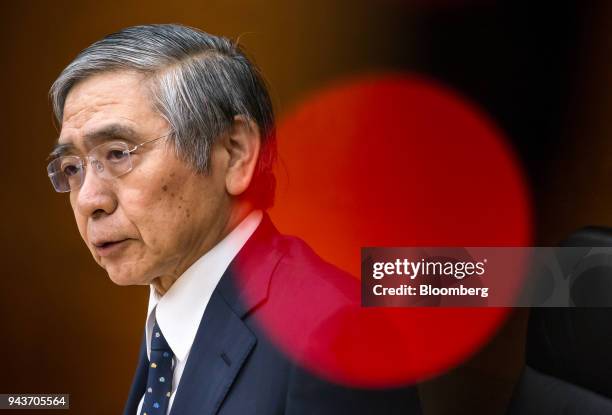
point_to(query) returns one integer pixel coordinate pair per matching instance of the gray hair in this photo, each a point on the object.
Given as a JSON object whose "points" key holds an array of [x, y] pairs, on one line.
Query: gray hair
{"points": [[200, 82]]}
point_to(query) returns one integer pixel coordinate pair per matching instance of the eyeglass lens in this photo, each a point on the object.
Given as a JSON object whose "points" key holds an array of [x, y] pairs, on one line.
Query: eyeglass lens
{"points": [[108, 160]]}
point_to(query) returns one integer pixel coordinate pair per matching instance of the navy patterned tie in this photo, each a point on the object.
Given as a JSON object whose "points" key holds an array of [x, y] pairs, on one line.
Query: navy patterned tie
{"points": [[159, 380]]}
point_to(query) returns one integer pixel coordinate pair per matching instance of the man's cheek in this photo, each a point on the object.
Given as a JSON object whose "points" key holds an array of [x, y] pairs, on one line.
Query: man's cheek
{"points": [[138, 198]]}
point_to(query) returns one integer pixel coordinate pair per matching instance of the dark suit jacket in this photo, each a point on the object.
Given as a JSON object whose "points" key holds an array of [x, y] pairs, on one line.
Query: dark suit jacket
{"points": [[233, 367]]}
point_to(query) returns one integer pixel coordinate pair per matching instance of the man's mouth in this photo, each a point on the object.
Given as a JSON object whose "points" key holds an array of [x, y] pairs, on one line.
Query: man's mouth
{"points": [[107, 248]]}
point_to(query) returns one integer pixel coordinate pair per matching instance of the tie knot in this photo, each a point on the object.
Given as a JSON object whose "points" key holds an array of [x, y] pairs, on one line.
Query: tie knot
{"points": [[158, 342]]}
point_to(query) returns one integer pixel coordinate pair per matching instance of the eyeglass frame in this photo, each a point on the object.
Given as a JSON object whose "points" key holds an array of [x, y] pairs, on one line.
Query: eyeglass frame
{"points": [[90, 160]]}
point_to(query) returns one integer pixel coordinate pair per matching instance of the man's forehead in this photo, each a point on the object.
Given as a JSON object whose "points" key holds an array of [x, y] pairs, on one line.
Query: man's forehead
{"points": [[111, 105], [104, 130], [84, 110], [108, 104], [105, 94], [107, 83]]}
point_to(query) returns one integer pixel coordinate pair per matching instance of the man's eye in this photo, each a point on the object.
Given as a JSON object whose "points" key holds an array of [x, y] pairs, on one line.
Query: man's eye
{"points": [[116, 155], [70, 169]]}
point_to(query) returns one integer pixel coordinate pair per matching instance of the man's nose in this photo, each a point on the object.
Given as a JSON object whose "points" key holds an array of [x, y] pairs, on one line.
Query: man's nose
{"points": [[96, 196]]}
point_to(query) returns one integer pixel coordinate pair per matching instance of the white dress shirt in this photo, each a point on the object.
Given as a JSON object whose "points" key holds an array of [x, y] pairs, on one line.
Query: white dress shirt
{"points": [[180, 309]]}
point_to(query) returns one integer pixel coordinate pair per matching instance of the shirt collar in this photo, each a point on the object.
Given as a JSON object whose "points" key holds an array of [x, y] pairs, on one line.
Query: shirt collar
{"points": [[180, 309]]}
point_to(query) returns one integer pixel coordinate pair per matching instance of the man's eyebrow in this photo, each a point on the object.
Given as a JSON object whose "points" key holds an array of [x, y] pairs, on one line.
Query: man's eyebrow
{"points": [[61, 149], [104, 133]]}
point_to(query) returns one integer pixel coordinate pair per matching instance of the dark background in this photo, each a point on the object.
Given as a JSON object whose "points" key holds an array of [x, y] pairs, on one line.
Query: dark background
{"points": [[541, 70]]}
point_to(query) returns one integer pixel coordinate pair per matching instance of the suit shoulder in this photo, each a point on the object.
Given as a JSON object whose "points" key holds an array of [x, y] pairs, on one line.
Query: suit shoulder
{"points": [[303, 269]]}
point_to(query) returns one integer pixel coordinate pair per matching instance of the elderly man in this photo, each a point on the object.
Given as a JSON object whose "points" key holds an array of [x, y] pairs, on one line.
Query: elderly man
{"points": [[166, 149]]}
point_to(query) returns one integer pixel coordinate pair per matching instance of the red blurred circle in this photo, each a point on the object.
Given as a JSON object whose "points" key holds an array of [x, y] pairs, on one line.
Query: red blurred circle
{"points": [[394, 160]]}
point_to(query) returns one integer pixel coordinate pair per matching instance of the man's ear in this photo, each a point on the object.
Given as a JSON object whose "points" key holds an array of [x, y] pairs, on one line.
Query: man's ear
{"points": [[242, 145]]}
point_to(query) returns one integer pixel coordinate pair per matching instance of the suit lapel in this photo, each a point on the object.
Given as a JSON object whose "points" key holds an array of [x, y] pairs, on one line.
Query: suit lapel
{"points": [[223, 341], [222, 344], [246, 282], [140, 380]]}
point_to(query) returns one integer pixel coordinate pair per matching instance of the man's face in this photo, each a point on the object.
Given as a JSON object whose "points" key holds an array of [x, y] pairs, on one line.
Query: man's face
{"points": [[160, 217]]}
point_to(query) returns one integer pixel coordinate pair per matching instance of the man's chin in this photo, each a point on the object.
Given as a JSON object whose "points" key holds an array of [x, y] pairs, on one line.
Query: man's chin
{"points": [[122, 281], [123, 278]]}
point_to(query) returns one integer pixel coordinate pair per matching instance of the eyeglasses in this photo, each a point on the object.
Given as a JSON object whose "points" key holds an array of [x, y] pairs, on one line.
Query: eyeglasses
{"points": [[109, 160]]}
